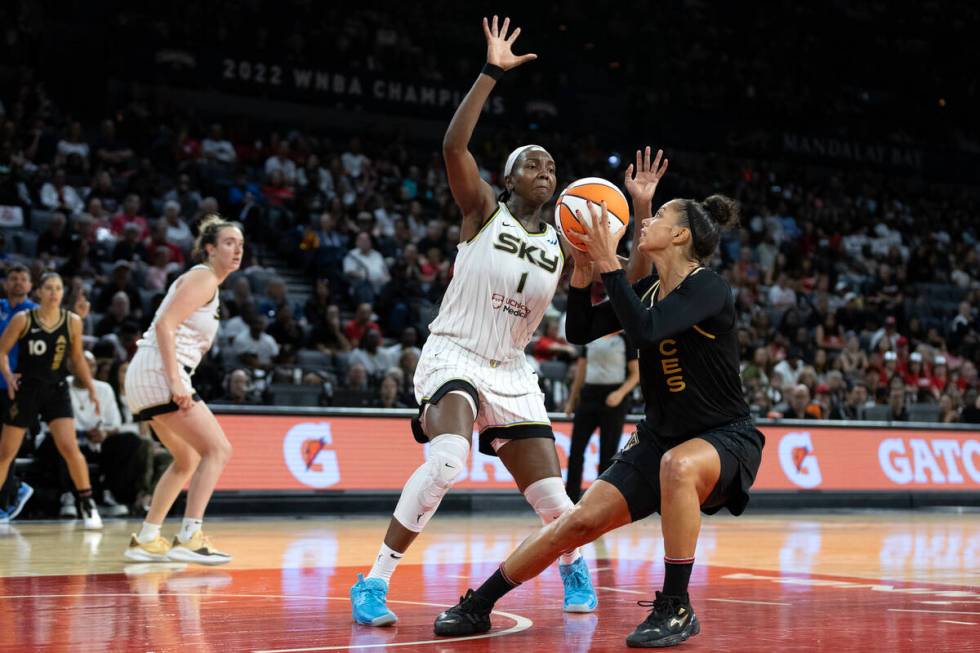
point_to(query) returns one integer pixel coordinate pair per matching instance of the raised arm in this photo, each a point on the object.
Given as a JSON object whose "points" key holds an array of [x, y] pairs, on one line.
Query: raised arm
{"points": [[641, 186], [473, 195], [701, 297]]}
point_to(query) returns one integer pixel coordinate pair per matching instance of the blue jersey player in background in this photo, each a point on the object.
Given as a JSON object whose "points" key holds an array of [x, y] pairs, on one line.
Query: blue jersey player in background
{"points": [[17, 286]]}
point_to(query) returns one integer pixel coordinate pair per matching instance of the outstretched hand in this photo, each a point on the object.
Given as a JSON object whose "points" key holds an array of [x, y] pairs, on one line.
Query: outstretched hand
{"points": [[499, 45], [600, 243], [643, 184]]}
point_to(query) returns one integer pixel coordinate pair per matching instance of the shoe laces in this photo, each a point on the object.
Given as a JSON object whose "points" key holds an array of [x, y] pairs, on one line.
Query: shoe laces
{"points": [[579, 577], [470, 602], [662, 605], [373, 592]]}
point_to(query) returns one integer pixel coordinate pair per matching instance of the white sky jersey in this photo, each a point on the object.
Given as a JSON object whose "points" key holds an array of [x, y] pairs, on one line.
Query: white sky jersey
{"points": [[504, 279], [194, 335]]}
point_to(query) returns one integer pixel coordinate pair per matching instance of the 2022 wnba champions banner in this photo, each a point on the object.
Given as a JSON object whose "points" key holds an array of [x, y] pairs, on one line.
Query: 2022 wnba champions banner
{"points": [[354, 453]]}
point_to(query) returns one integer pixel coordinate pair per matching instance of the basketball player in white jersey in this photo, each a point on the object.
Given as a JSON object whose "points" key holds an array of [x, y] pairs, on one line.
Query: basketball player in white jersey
{"points": [[473, 372], [158, 390]]}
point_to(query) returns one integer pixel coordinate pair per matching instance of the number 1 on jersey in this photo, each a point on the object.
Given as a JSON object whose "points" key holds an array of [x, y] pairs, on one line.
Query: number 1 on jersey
{"points": [[520, 286]]}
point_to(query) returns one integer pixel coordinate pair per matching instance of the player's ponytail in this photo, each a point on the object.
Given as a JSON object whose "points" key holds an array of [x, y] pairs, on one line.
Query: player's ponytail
{"points": [[207, 234], [706, 220]]}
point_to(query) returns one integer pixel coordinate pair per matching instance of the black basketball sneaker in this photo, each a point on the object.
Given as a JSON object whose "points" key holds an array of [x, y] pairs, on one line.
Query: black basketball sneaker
{"points": [[671, 621], [468, 617]]}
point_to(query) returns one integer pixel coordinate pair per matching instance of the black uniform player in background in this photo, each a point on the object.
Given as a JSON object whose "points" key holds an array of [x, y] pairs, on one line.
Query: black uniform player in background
{"points": [[46, 336], [696, 450]]}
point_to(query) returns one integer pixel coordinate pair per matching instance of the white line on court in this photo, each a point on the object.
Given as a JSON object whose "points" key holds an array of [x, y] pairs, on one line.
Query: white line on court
{"points": [[958, 623], [945, 602], [520, 623], [931, 611]]}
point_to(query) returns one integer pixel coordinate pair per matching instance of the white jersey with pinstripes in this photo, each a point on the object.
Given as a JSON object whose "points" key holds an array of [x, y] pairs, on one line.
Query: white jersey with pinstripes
{"points": [[503, 282], [195, 334]]}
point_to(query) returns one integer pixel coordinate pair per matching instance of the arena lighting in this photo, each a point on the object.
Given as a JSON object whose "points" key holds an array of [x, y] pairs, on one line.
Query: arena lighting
{"points": [[614, 160]]}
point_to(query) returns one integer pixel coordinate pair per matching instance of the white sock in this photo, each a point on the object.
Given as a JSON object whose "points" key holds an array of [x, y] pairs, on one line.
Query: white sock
{"points": [[385, 563], [188, 527], [148, 533], [570, 557]]}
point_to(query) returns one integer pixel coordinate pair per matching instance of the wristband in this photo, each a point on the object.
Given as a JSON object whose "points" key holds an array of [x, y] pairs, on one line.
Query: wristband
{"points": [[492, 70]]}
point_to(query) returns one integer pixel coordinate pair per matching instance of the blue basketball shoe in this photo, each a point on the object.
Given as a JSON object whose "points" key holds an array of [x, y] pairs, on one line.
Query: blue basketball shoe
{"points": [[24, 492], [579, 594], [367, 601]]}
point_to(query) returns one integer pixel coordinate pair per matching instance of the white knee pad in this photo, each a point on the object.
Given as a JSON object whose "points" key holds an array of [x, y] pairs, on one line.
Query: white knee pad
{"points": [[431, 481], [548, 498]]}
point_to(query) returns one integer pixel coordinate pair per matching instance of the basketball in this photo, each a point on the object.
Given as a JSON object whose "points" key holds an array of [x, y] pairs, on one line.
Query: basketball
{"points": [[575, 197]]}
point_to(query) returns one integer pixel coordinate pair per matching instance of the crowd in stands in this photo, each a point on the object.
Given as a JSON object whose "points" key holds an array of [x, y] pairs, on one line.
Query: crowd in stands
{"points": [[857, 295], [839, 283]]}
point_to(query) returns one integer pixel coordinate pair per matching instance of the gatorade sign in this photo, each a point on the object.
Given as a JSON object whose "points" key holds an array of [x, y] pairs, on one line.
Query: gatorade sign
{"points": [[798, 460], [283, 452], [922, 461], [307, 453], [869, 459]]}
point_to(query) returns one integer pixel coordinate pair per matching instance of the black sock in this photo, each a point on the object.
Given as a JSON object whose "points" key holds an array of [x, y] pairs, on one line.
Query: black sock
{"points": [[84, 494], [495, 587], [677, 573]]}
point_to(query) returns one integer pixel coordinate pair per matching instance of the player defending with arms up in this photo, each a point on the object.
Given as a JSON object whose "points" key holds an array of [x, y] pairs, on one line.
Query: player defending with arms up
{"points": [[473, 372], [696, 450]]}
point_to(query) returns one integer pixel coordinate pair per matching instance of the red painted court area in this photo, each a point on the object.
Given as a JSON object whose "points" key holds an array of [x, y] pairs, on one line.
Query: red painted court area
{"points": [[174, 608]]}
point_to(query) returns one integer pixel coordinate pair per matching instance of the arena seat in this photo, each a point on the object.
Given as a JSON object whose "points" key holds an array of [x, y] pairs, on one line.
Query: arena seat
{"points": [[923, 412], [287, 394]]}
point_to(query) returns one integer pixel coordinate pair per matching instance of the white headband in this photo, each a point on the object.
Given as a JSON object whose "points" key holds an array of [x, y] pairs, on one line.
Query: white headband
{"points": [[509, 166]]}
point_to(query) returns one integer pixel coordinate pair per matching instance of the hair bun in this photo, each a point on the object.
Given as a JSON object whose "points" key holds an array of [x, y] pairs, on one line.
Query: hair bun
{"points": [[209, 219], [722, 210]]}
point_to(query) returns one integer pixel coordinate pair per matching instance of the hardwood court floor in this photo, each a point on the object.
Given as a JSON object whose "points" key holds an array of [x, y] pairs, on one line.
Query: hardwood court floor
{"points": [[861, 581]]}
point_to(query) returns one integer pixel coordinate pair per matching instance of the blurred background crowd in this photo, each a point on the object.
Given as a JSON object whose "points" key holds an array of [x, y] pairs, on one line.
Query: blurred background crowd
{"points": [[856, 267]]}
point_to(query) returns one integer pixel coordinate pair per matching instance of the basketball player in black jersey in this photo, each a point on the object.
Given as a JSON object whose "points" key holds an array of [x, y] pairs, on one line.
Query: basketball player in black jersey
{"points": [[47, 336], [696, 450]]}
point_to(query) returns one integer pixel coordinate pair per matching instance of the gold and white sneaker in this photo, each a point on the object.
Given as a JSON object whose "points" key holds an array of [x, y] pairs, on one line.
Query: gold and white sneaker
{"points": [[198, 549], [156, 550]]}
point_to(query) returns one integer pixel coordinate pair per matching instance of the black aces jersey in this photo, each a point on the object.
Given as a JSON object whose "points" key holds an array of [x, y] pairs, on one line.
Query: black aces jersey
{"points": [[689, 358], [44, 350]]}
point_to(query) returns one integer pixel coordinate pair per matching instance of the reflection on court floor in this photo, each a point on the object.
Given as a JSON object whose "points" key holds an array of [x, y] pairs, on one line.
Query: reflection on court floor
{"points": [[883, 581]]}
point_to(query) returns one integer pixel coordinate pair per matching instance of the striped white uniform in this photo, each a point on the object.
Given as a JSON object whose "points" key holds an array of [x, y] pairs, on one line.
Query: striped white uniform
{"points": [[503, 282], [146, 379]]}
